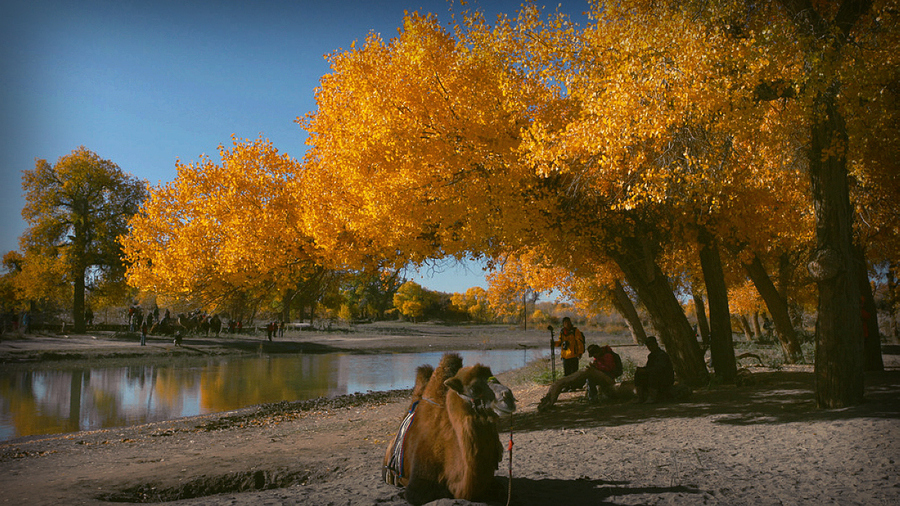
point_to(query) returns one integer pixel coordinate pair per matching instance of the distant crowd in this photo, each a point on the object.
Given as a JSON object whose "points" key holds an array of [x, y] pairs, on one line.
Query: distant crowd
{"points": [[15, 322]]}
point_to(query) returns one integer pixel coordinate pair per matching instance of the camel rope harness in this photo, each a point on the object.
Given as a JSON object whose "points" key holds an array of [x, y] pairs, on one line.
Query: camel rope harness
{"points": [[392, 472]]}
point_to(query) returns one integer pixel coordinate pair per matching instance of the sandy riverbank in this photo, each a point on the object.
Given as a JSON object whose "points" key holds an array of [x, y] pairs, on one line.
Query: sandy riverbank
{"points": [[759, 444]]}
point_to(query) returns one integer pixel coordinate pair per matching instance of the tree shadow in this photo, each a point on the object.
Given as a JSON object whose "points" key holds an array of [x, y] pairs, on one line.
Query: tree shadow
{"points": [[777, 397]]}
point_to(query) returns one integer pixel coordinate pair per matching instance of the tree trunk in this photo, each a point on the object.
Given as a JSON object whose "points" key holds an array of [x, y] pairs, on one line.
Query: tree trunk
{"points": [[839, 344], [78, 300], [700, 310], [286, 302], [745, 325], [778, 308], [872, 360], [721, 345], [757, 329], [525, 311], [622, 302], [638, 264], [892, 301]]}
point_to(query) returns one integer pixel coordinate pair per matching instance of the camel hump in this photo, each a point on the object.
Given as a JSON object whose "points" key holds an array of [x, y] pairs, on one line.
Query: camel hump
{"points": [[450, 364], [423, 374]]}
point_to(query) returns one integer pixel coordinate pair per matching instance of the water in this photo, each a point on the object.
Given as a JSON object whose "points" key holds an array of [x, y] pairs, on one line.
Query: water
{"points": [[42, 401]]}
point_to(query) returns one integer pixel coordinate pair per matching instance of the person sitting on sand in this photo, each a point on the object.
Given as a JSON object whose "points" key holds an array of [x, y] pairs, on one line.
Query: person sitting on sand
{"points": [[598, 372], [654, 381], [610, 364]]}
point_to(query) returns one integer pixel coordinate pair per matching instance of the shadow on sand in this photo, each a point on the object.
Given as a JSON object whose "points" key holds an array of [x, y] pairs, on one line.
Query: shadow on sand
{"points": [[776, 397], [582, 491]]}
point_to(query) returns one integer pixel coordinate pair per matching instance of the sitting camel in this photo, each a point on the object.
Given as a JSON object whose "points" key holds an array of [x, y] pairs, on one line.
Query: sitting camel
{"points": [[448, 445]]}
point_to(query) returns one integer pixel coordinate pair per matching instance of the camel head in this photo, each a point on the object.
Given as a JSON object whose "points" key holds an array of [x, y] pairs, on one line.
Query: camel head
{"points": [[480, 388]]}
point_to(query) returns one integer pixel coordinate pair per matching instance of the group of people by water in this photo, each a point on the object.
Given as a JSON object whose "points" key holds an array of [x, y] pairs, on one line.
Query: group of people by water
{"points": [[152, 323], [274, 329], [653, 382]]}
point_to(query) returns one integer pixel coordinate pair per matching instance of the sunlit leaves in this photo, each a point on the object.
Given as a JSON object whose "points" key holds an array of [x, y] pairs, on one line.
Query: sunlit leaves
{"points": [[224, 228], [411, 300], [413, 145], [475, 303]]}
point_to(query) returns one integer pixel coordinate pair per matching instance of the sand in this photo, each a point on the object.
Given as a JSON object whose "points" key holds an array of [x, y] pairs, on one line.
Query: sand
{"points": [[763, 443]]}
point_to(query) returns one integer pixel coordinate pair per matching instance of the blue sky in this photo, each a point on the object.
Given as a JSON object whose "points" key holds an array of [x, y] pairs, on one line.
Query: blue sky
{"points": [[147, 83]]}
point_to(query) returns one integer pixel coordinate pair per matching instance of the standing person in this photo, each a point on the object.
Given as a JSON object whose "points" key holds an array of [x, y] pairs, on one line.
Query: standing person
{"points": [[597, 372], [131, 320], [571, 342], [654, 381], [144, 334]]}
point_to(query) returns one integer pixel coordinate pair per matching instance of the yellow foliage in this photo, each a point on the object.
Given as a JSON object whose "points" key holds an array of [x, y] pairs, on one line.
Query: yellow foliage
{"points": [[744, 299], [413, 146], [412, 299], [474, 302], [540, 146], [222, 228]]}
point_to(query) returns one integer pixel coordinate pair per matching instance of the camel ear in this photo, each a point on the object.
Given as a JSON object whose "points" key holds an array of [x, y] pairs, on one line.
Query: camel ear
{"points": [[455, 384]]}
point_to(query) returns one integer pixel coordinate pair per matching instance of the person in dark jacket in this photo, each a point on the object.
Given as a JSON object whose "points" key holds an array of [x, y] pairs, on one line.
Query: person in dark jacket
{"points": [[654, 381]]}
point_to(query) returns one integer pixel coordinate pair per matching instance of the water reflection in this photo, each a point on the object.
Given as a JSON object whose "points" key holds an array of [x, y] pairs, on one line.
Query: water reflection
{"points": [[54, 401]]}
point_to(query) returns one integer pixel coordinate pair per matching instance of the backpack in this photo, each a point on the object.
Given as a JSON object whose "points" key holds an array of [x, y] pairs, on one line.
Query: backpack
{"points": [[618, 360], [579, 342]]}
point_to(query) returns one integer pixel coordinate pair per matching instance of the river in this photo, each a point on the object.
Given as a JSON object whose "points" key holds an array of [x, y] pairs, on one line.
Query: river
{"points": [[49, 401]]}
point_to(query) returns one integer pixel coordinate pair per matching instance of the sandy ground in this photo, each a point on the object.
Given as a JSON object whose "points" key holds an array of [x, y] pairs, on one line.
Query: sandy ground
{"points": [[763, 443]]}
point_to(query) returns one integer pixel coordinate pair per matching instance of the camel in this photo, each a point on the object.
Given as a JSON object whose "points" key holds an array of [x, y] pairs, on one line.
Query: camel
{"points": [[448, 445]]}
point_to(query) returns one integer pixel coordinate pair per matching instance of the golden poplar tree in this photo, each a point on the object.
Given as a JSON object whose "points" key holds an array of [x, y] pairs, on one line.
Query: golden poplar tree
{"points": [[226, 230]]}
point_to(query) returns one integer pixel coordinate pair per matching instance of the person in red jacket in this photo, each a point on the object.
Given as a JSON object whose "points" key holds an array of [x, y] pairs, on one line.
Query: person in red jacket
{"points": [[606, 363], [599, 372]]}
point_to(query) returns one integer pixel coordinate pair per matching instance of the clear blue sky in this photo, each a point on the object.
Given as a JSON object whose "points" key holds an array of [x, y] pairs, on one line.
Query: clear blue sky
{"points": [[145, 83]]}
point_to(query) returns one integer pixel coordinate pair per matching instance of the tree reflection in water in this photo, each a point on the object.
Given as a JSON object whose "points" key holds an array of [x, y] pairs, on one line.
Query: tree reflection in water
{"points": [[51, 401]]}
